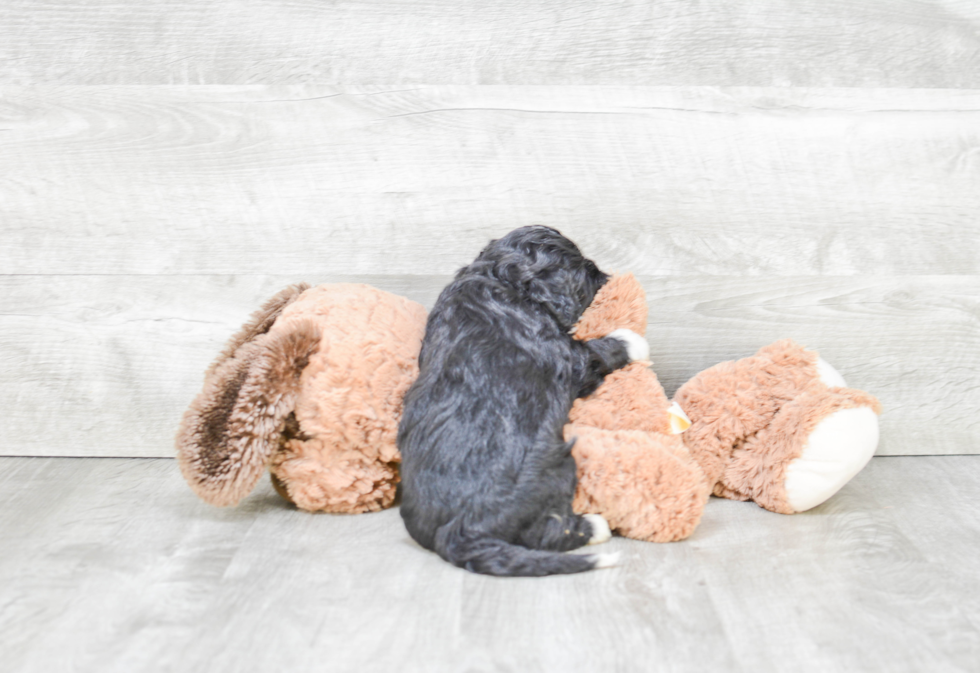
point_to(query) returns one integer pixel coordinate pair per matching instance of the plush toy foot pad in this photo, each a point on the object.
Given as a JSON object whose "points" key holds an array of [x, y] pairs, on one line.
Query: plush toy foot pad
{"points": [[837, 449], [814, 445], [829, 376], [600, 528]]}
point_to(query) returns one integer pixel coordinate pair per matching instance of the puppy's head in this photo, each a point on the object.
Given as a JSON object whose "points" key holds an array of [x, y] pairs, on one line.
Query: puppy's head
{"points": [[547, 268]]}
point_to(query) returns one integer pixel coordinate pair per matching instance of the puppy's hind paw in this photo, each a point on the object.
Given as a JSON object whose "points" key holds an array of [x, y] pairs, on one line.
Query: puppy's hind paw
{"points": [[636, 346], [600, 528]]}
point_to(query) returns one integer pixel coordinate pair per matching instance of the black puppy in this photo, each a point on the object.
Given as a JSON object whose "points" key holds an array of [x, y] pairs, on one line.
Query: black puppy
{"points": [[487, 479]]}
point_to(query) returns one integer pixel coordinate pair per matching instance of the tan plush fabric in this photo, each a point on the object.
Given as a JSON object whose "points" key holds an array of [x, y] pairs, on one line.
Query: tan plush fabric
{"points": [[351, 398], [621, 302], [644, 483], [757, 467], [750, 419], [630, 398], [735, 399], [631, 471], [311, 388]]}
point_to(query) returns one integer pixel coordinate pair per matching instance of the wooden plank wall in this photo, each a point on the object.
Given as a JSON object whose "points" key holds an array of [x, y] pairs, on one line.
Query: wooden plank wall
{"points": [[770, 169]]}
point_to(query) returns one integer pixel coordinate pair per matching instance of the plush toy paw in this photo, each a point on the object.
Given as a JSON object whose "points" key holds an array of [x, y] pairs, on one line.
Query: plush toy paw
{"points": [[644, 483], [636, 346], [814, 445], [829, 376], [837, 449]]}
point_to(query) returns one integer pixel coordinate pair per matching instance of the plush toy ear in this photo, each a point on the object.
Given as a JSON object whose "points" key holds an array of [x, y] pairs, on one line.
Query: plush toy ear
{"points": [[231, 429], [621, 302], [259, 323]]}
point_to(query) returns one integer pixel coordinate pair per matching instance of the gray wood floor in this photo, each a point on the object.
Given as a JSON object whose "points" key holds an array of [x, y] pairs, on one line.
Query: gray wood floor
{"points": [[113, 565]]}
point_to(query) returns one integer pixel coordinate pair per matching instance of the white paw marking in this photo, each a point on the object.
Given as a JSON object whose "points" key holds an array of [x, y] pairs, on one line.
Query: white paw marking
{"points": [[636, 346], [606, 560], [836, 450], [830, 376], [600, 528]]}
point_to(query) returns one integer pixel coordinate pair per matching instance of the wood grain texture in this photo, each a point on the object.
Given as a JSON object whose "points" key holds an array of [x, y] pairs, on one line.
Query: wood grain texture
{"points": [[928, 532], [113, 565], [849, 43], [911, 340], [854, 549], [106, 365], [322, 180]]}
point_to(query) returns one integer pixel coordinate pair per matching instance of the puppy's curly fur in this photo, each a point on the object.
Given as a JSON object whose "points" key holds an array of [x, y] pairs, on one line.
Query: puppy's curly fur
{"points": [[487, 479]]}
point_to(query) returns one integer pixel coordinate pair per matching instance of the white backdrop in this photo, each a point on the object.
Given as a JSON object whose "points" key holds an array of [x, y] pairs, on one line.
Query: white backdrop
{"points": [[771, 169]]}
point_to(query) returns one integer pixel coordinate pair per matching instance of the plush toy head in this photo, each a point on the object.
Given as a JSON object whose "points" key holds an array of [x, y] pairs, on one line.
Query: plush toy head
{"points": [[310, 388], [630, 398]]}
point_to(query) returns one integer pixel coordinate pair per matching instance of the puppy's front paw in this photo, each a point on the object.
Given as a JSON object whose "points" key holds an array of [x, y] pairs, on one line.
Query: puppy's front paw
{"points": [[600, 528], [636, 346]]}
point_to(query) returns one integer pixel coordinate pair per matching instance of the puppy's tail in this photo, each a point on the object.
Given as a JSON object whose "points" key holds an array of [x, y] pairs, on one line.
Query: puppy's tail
{"points": [[491, 556]]}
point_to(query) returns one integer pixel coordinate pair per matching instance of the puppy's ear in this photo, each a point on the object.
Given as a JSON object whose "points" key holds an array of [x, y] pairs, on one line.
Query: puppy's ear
{"points": [[620, 303], [558, 294]]}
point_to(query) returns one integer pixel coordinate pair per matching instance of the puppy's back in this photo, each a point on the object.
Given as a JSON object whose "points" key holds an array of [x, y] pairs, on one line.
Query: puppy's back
{"points": [[482, 453]]}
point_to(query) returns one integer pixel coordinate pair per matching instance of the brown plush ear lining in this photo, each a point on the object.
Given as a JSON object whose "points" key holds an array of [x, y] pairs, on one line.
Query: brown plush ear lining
{"points": [[233, 427], [259, 323]]}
